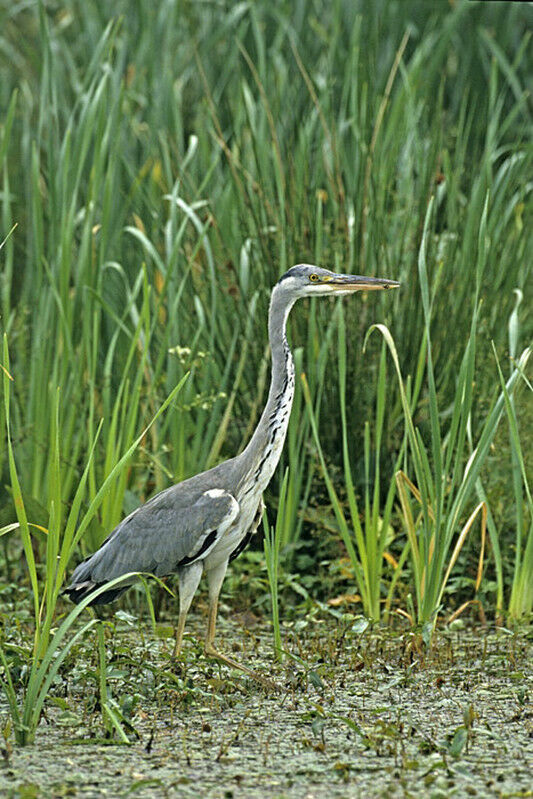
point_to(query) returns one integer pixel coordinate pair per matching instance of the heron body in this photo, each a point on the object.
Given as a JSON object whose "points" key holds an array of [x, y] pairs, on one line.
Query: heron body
{"points": [[202, 523]]}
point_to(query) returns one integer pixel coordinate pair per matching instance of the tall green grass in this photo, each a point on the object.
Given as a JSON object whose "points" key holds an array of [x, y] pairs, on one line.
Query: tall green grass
{"points": [[520, 604], [445, 472], [63, 534], [366, 532], [163, 166], [62, 537]]}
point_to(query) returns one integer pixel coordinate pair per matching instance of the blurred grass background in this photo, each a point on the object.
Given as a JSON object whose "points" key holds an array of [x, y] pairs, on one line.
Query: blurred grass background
{"points": [[165, 163]]}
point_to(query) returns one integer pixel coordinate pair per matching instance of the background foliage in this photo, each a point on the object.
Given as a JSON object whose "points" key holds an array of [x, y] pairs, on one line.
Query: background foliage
{"points": [[165, 163]]}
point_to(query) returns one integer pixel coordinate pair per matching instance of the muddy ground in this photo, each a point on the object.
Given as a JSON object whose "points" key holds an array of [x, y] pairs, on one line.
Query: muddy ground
{"points": [[371, 715]]}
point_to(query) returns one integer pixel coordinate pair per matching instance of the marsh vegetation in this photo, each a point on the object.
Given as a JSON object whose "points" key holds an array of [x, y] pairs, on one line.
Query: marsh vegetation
{"points": [[161, 166]]}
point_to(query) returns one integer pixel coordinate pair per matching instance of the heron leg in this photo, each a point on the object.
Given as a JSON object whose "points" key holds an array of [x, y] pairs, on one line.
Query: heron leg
{"points": [[189, 578], [215, 578]]}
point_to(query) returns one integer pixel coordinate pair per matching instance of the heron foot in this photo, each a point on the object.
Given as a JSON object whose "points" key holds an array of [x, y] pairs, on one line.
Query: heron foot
{"points": [[210, 651]]}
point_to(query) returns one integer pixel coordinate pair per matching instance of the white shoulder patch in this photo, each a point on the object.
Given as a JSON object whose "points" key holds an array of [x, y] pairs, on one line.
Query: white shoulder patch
{"points": [[215, 492]]}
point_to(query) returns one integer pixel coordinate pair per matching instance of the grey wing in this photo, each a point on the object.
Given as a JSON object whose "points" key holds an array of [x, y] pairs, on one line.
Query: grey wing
{"points": [[161, 535]]}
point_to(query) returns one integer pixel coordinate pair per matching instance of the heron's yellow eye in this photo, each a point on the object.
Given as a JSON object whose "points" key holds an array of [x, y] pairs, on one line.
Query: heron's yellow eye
{"points": [[313, 278]]}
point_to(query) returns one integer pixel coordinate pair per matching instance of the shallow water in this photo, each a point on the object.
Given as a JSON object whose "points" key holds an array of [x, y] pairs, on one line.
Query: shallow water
{"points": [[372, 716]]}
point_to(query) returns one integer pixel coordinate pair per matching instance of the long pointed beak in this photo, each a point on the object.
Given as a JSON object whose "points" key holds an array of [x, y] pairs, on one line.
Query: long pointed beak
{"points": [[348, 283]]}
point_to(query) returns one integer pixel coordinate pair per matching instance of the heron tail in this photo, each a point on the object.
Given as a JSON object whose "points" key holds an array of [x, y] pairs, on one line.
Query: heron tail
{"points": [[78, 591]]}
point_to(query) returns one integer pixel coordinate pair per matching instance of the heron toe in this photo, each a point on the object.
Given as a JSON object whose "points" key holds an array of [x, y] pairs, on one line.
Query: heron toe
{"points": [[210, 651]]}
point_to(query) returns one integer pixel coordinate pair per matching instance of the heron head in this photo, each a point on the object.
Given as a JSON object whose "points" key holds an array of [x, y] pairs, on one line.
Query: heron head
{"points": [[306, 280]]}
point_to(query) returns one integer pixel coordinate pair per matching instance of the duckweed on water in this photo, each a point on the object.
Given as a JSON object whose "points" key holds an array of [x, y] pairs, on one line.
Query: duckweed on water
{"points": [[373, 714]]}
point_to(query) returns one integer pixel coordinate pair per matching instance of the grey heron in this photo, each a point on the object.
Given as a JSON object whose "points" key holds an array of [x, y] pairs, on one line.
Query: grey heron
{"points": [[202, 523]]}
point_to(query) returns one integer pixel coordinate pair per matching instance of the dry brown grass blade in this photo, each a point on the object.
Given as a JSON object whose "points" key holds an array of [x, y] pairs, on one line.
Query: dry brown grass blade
{"points": [[414, 491], [405, 615], [464, 606], [4, 370], [462, 537], [391, 560], [407, 514], [482, 550]]}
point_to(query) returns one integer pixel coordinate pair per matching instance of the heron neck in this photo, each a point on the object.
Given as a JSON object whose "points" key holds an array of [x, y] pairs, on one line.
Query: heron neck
{"points": [[264, 448]]}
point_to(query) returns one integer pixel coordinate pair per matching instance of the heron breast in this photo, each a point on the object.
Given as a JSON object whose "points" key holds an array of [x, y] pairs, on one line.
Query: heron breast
{"points": [[232, 537]]}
